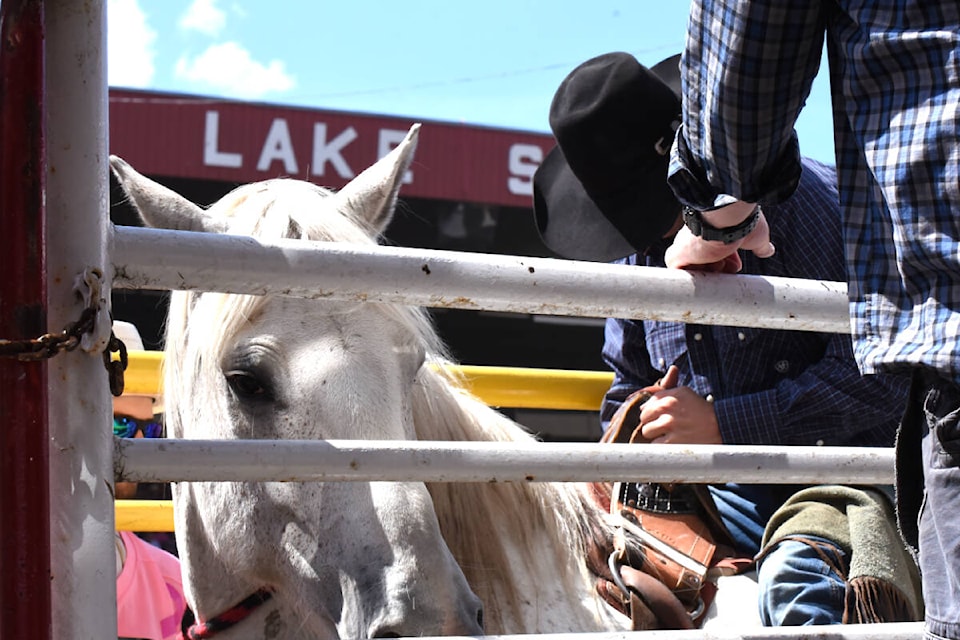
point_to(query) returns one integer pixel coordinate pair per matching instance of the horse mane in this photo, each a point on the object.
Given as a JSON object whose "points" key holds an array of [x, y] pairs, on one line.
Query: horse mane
{"points": [[477, 518]]}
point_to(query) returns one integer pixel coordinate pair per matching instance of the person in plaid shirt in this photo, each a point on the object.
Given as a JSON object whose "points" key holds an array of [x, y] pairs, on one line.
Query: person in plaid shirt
{"points": [[895, 75]]}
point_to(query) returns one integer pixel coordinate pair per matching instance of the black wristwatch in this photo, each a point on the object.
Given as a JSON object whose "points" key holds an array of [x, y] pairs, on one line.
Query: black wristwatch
{"points": [[727, 235]]}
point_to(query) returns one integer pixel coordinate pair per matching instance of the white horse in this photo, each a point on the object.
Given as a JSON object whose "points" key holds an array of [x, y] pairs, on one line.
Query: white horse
{"points": [[352, 559]]}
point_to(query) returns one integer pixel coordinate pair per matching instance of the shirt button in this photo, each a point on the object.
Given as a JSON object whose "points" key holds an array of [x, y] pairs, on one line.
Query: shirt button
{"points": [[819, 443], [709, 398], [782, 366], [663, 363], [742, 336], [698, 337]]}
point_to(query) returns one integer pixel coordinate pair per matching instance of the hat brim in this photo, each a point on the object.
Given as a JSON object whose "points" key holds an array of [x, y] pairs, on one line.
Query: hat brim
{"points": [[575, 225], [669, 72], [568, 220]]}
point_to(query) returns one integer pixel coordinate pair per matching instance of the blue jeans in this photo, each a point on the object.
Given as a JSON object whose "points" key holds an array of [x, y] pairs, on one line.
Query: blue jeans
{"points": [[929, 439], [797, 586]]}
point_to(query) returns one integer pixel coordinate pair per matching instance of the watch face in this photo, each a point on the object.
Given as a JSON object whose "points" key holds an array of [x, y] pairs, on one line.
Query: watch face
{"points": [[692, 220]]}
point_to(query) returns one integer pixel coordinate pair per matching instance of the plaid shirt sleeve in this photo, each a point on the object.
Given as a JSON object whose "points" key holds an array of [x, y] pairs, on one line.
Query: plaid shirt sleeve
{"points": [[742, 95], [746, 72]]}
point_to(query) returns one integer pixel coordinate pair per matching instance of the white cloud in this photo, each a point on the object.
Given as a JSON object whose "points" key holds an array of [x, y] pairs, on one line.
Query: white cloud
{"points": [[130, 40], [204, 16], [228, 68]]}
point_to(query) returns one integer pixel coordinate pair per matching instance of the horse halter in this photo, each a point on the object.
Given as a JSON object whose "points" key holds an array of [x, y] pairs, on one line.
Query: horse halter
{"points": [[190, 629]]}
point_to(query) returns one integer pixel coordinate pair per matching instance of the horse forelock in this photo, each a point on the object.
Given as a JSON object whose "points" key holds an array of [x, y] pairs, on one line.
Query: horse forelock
{"points": [[201, 326], [286, 208], [482, 520]]}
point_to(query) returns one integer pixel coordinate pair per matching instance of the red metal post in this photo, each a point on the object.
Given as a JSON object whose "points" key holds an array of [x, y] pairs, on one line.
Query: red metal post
{"points": [[25, 597]]}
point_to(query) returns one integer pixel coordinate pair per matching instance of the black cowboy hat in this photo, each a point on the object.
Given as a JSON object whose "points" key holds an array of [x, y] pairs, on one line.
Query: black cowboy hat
{"points": [[601, 193]]}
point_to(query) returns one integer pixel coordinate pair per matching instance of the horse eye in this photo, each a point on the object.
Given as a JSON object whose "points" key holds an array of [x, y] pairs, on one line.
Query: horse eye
{"points": [[247, 386]]}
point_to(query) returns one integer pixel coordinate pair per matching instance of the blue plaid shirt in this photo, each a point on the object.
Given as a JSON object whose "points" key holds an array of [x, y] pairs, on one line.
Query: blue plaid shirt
{"points": [[768, 386], [895, 76]]}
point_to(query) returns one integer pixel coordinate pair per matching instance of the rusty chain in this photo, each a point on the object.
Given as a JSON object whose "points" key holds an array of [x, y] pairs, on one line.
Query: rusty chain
{"points": [[115, 368], [50, 344]]}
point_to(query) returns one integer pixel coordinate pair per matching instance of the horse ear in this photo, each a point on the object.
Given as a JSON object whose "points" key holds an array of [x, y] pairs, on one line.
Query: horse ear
{"points": [[159, 206], [374, 191]]}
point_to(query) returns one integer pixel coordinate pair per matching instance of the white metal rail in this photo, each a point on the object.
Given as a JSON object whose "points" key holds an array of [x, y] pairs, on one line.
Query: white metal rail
{"points": [[144, 460], [159, 259], [890, 631]]}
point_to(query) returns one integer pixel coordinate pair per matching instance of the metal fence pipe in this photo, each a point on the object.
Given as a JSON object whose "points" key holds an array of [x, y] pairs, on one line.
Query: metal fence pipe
{"points": [[531, 388], [143, 460], [184, 260], [886, 631], [81, 483], [25, 600]]}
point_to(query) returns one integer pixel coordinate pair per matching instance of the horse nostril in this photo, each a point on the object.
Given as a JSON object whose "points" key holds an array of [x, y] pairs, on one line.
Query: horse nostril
{"points": [[480, 616]]}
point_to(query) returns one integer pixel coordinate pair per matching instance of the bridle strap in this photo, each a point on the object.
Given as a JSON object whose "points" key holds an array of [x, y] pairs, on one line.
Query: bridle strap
{"points": [[190, 629]]}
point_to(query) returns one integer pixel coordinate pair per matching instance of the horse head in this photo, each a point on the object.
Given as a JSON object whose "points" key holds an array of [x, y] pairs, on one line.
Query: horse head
{"points": [[336, 559]]}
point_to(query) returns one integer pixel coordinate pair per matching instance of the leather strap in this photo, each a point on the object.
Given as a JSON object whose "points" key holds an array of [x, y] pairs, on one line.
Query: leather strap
{"points": [[678, 547], [191, 629], [623, 426], [648, 602]]}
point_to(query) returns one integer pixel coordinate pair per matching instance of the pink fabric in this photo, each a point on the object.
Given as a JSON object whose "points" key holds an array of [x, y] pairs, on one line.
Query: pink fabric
{"points": [[150, 602]]}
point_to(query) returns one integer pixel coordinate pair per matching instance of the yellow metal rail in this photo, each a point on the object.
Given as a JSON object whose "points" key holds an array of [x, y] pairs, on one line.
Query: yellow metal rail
{"points": [[522, 388], [144, 515], [142, 375], [514, 387]]}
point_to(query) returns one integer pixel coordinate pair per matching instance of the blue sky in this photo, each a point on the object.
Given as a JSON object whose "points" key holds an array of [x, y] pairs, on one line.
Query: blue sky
{"points": [[496, 62]]}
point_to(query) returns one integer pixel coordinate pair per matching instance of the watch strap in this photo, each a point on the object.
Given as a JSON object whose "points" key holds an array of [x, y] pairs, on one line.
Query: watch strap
{"points": [[694, 221]]}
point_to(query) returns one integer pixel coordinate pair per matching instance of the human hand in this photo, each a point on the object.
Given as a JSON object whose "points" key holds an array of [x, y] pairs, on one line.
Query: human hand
{"points": [[679, 416], [694, 253]]}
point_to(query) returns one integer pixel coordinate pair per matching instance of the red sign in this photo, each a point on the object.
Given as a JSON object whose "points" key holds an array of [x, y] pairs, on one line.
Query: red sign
{"points": [[192, 137]]}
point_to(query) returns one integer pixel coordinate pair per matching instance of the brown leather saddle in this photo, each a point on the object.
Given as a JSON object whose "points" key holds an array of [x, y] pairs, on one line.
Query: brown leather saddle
{"points": [[668, 535]]}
